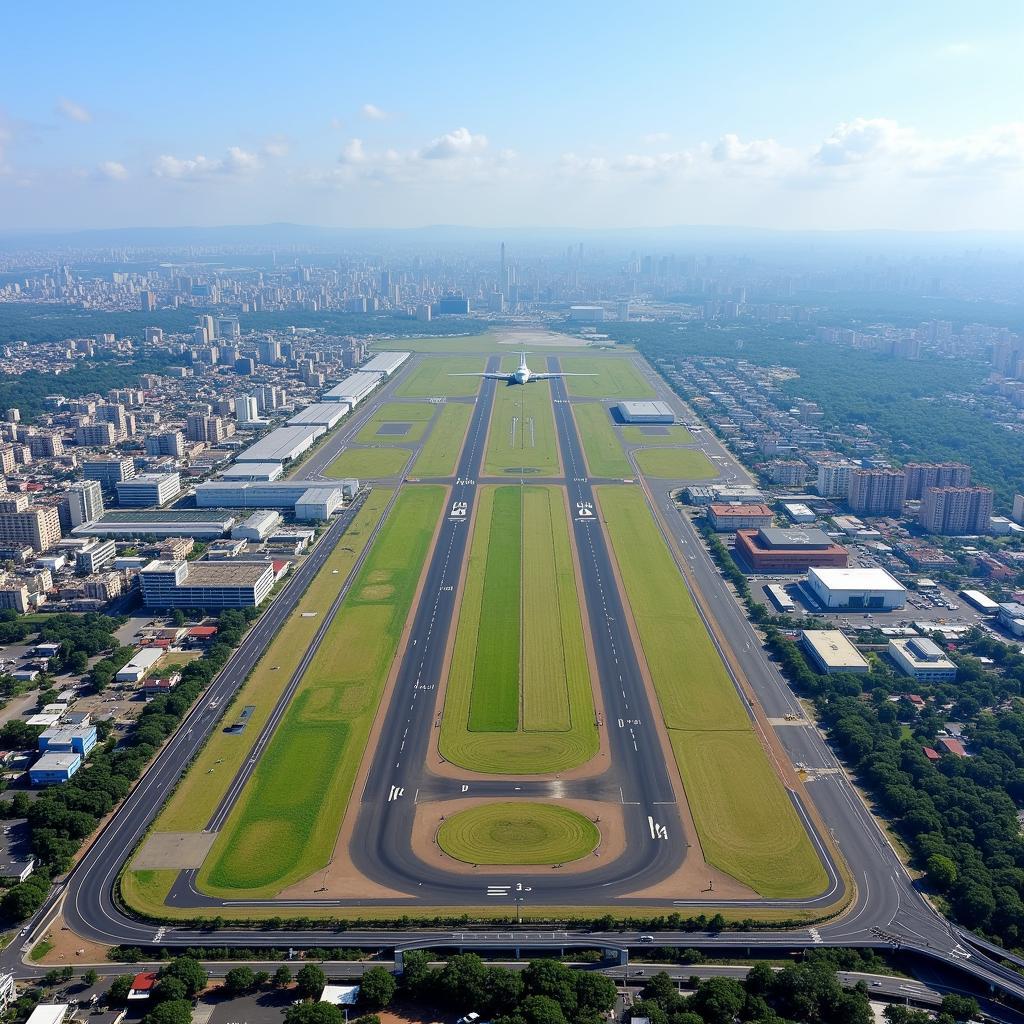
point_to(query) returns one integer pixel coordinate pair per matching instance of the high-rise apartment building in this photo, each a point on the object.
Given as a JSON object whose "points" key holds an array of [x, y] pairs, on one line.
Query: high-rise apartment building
{"points": [[877, 492], [109, 471], [246, 408], [834, 479], [170, 442], [1018, 508], [45, 445], [37, 526], [922, 475], [96, 434], [85, 501], [956, 511]]}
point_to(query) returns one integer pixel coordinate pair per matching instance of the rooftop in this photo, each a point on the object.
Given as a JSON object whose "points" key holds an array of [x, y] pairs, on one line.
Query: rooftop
{"points": [[856, 579], [160, 516], [776, 537], [225, 574], [834, 649]]}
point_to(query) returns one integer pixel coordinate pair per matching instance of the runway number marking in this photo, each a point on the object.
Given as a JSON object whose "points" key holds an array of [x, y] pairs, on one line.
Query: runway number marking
{"points": [[657, 831], [506, 890], [815, 934], [460, 509], [396, 793], [584, 510]]}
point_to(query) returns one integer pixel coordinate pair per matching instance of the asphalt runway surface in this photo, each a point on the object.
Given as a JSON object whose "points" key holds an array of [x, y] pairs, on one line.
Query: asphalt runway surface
{"points": [[887, 910]]}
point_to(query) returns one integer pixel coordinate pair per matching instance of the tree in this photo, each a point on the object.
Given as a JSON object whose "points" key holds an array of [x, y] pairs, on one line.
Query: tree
{"points": [[174, 1011], [377, 988], [189, 972], [117, 994], [170, 988], [416, 972], [282, 976], [595, 993], [942, 871], [310, 982], [504, 990], [313, 1013], [366, 1018], [541, 1010], [262, 978], [90, 977], [553, 979], [719, 1000], [959, 1007], [652, 1011], [463, 980], [239, 980]]}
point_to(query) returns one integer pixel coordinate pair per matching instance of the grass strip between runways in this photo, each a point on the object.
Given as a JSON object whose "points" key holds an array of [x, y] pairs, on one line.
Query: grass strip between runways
{"points": [[440, 452], [522, 435], [433, 378], [615, 377], [286, 821], [495, 703], [192, 804], [558, 730], [368, 463], [601, 444], [746, 822]]}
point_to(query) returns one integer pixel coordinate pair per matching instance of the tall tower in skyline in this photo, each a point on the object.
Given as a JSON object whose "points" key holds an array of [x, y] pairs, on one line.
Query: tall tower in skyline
{"points": [[503, 278]]}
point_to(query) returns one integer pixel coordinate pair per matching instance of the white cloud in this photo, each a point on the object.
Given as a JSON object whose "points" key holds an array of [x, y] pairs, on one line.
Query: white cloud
{"points": [[276, 147], [864, 139], [731, 149], [112, 170], [458, 143], [956, 50], [352, 152], [374, 113], [73, 111], [235, 163]]}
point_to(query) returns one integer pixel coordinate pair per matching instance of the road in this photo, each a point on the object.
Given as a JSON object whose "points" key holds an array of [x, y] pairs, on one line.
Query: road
{"points": [[887, 908]]}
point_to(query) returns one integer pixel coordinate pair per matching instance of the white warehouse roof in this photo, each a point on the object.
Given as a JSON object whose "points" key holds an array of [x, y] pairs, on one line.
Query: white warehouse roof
{"points": [[856, 579], [385, 362], [355, 388], [323, 414], [281, 445], [253, 471]]}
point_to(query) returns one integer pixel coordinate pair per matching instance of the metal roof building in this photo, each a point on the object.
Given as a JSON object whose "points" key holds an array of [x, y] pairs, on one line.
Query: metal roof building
{"points": [[831, 652], [354, 389], [646, 412], [170, 523], [265, 471], [282, 445], [320, 414], [386, 363]]}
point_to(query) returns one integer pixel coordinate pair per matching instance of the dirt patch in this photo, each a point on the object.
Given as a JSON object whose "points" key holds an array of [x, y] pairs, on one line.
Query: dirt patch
{"points": [[539, 339], [174, 850], [608, 817], [376, 592], [405, 1013], [72, 949]]}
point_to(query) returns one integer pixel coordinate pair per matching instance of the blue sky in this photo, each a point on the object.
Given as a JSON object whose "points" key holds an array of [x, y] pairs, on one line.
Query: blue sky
{"points": [[823, 115]]}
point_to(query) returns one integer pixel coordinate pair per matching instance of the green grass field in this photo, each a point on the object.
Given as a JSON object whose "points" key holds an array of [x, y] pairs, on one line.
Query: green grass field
{"points": [[739, 805], [616, 377], [522, 436], [439, 456], [518, 833], [192, 804], [432, 378], [553, 725], [676, 464], [417, 414], [674, 435], [486, 344], [286, 821], [368, 463], [494, 706], [601, 446]]}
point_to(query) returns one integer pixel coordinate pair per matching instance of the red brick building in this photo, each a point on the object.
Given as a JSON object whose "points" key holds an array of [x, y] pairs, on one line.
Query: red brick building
{"points": [[772, 550]]}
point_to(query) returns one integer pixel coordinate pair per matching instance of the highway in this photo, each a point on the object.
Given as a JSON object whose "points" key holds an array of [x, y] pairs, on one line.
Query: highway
{"points": [[887, 909]]}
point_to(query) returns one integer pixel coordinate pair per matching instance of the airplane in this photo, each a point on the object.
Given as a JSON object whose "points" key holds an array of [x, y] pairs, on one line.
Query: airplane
{"points": [[522, 374]]}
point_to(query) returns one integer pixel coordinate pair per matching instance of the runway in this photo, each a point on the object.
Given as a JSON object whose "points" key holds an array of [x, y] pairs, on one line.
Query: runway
{"points": [[887, 908]]}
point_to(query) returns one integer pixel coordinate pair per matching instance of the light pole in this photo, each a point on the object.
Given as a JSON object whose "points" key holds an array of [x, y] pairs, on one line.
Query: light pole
{"points": [[519, 909]]}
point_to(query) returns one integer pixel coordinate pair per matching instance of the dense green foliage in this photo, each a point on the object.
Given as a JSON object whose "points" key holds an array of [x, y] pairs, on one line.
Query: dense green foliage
{"points": [[907, 401], [61, 817], [545, 992], [959, 816]]}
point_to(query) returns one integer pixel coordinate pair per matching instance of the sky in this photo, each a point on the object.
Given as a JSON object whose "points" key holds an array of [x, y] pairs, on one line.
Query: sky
{"points": [[790, 115]]}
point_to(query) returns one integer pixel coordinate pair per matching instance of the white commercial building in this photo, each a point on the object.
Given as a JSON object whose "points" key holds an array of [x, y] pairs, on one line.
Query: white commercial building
{"points": [[922, 659], [798, 512], [646, 412], [586, 314], [1011, 617], [171, 523], [282, 445], [386, 363], [856, 589], [354, 389], [320, 414], [319, 503], [265, 471], [148, 489], [832, 652], [279, 494], [140, 664], [208, 585], [258, 526]]}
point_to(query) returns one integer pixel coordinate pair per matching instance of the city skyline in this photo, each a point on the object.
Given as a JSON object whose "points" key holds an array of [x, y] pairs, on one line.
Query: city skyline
{"points": [[799, 119]]}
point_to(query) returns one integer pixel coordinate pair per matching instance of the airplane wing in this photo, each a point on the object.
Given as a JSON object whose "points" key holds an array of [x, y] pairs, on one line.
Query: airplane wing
{"points": [[487, 376], [551, 376]]}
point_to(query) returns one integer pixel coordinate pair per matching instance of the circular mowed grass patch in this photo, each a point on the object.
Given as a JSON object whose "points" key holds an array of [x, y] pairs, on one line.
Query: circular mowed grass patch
{"points": [[518, 833]]}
